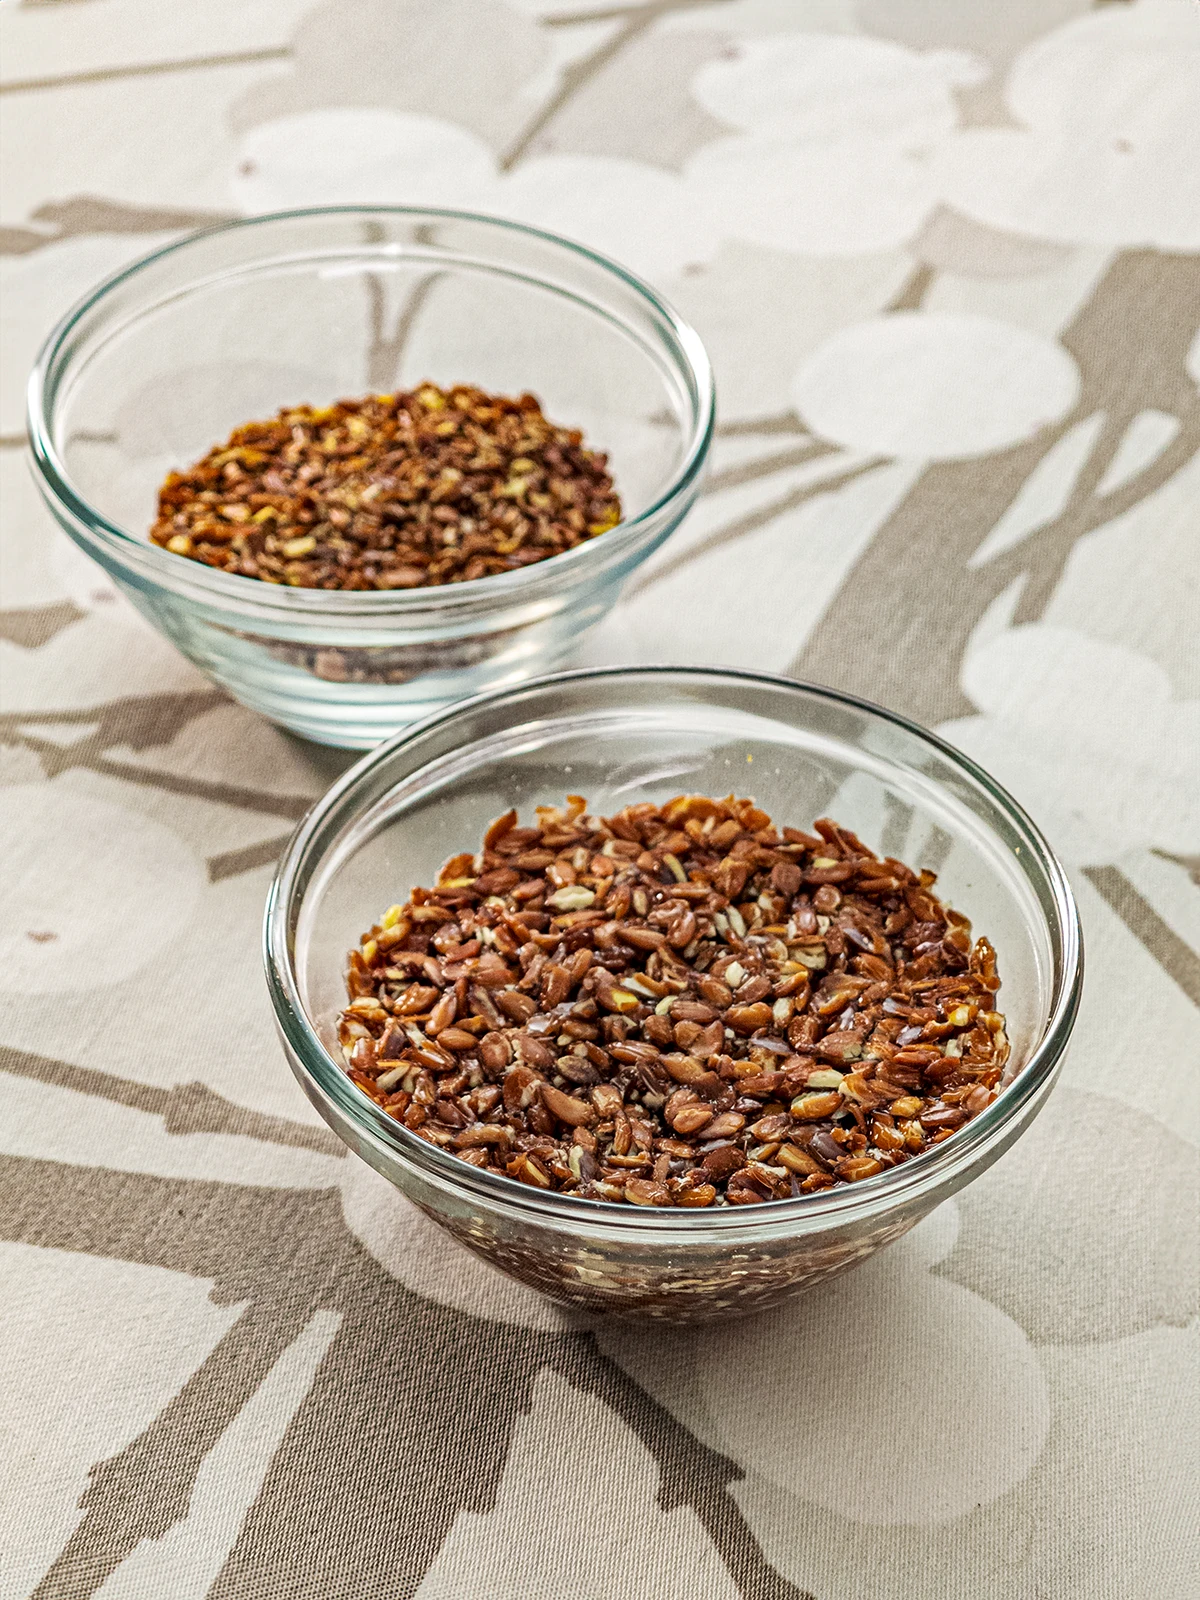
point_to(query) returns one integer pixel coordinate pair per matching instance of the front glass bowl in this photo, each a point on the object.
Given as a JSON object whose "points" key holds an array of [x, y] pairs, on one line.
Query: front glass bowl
{"points": [[630, 734], [163, 360]]}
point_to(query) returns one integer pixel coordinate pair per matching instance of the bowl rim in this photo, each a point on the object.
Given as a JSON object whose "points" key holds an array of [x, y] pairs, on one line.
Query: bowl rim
{"points": [[682, 343], [326, 1081]]}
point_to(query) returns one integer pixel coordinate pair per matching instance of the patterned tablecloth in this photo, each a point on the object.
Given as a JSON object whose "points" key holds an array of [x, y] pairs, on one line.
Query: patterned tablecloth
{"points": [[943, 253]]}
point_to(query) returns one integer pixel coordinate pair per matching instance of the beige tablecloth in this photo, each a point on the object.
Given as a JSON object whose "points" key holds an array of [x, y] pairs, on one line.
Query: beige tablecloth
{"points": [[943, 253]]}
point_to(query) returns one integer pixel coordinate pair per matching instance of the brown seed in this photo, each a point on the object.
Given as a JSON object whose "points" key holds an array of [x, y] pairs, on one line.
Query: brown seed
{"points": [[802, 1033], [812, 1107], [619, 1000], [691, 1119], [535, 1051], [785, 878], [561, 873], [446, 1111], [520, 1088], [607, 1099], [456, 1039], [498, 882], [708, 1041], [746, 1019], [494, 1051], [622, 1134], [520, 1007], [579, 964], [797, 1160], [716, 993], [682, 930], [841, 1045], [578, 1070], [498, 829], [726, 1158], [415, 999], [531, 1171], [480, 1002], [691, 1011], [703, 1194], [443, 1013], [885, 1135], [539, 1119], [756, 988], [677, 1101], [793, 986], [761, 1084], [633, 1053], [857, 1086], [491, 972], [484, 1099], [658, 1029], [566, 1107], [483, 1133], [743, 1191], [858, 1167], [725, 1125], [647, 1192], [772, 1127], [730, 876], [769, 1178], [825, 1147], [939, 1115], [685, 1069], [556, 986]]}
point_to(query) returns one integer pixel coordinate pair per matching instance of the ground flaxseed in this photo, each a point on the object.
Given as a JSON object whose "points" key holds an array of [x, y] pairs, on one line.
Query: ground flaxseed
{"points": [[676, 1006], [395, 491]]}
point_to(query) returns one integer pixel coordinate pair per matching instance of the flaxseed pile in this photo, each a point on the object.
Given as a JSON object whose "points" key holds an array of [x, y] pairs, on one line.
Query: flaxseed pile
{"points": [[396, 491], [680, 1006]]}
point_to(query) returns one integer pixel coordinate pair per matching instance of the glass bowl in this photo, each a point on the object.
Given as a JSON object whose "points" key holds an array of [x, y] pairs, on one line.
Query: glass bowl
{"points": [[646, 733], [168, 356]]}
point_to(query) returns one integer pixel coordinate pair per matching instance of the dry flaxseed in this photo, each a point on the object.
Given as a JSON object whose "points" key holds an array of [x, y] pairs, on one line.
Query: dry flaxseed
{"points": [[676, 1006], [396, 491]]}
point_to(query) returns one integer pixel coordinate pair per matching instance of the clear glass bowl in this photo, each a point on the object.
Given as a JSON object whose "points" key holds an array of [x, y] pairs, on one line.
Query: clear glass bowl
{"points": [[168, 356], [646, 733]]}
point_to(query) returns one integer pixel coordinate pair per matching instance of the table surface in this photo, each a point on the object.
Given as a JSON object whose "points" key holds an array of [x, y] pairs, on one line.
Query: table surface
{"points": [[944, 257]]}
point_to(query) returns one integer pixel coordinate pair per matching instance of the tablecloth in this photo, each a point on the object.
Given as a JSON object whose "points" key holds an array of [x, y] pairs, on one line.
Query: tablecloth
{"points": [[944, 255]]}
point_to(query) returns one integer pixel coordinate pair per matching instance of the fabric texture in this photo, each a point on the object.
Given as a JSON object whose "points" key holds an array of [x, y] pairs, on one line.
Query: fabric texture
{"points": [[946, 257]]}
